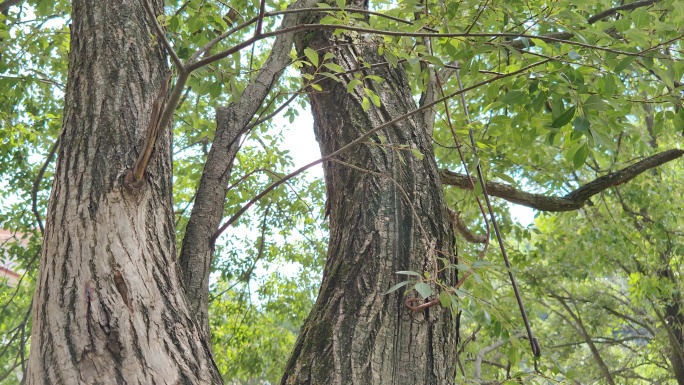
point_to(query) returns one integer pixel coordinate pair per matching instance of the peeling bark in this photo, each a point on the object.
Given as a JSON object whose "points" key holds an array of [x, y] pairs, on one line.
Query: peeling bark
{"points": [[109, 307], [387, 213]]}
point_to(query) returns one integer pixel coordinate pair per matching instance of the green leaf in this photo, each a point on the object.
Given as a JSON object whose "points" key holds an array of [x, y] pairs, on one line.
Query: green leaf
{"points": [[574, 55], [423, 289], [365, 104], [594, 102], [215, 89], [581, 124], [602, 139], [352, 84], [397, 287], [174, 23], [311, 55], [419, 155], [607, 85], [564, 118], [340, 4], [480, 263], [44, 7], [580, 156], [477, 191], [623, 64], [375, 78], [514, 97], [506, 179], [373, 96], [334, 67], [331, 76], [445, 299], [391, 59], [623, 24], [317, 87]]}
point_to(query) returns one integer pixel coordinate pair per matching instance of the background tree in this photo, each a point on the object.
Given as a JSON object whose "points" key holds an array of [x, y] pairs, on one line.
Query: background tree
{"points": [[557, 96]]}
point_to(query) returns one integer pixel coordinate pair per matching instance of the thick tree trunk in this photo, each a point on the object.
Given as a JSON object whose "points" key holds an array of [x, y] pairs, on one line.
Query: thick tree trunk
{"points": [[109, 308], [387, 214]]}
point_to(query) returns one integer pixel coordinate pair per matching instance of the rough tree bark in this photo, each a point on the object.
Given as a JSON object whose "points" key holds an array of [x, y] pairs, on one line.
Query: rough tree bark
{"points": [[387, 214], [109, 307]]}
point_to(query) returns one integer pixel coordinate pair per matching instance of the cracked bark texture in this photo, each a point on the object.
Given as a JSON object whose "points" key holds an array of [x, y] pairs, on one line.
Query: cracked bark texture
{"points": [[387, 214], [109, 307], [207, 211]]}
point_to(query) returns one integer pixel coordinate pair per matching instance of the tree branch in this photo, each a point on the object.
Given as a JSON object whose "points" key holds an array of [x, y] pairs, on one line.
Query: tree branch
{"points": [[624, 7], [571, 201], [519, 44]]}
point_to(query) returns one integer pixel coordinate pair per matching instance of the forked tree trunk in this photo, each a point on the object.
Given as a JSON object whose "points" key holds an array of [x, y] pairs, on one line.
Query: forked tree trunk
{"points": [[108, 307], [387, 214]]}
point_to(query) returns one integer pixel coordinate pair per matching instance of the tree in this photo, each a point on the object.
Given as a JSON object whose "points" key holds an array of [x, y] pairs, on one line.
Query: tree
{"points": [[562, 95]]}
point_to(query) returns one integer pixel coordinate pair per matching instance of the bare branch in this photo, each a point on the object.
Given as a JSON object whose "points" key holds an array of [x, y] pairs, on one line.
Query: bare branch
{"points": [[462, 229], [260, 20], [571, 201], [624, 7], [355, 10]]}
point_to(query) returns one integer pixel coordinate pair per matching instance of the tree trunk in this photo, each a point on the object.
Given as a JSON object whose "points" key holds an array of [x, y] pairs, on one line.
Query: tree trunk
{"points": [[387, 214], [109, 308]]}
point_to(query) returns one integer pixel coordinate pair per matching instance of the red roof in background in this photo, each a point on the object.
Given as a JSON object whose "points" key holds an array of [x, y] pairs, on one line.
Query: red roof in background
{"points": [[7, 234], [5, 272], [6, 268]]}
